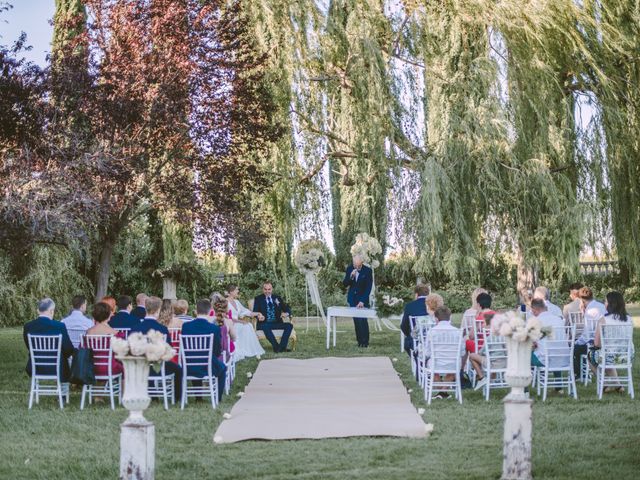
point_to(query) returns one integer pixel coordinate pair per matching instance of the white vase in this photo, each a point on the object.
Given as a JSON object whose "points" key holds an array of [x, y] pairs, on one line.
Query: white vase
{"points": [[518, 373], [135, 397]]}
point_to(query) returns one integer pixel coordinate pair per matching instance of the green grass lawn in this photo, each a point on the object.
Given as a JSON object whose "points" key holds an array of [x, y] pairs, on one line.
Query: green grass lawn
{"points": [[582, 439]]}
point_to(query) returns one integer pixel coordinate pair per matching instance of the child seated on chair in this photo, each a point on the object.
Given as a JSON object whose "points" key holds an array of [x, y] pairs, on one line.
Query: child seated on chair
{"points": [[479, 359]]}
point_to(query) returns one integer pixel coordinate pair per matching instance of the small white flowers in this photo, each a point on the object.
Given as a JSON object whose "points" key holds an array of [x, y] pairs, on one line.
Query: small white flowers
{"points": [[249, 374], [309, 257], [391, 301], [367, 247], [152, 346], [410, 390], [240, 394], [421, 411], [394, 359], [227, 416], [428, 428], [511, 324], [217, 439]]}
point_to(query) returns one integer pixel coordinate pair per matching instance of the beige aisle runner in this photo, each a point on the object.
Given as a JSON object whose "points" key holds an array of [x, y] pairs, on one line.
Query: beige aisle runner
{"points": [[322, 398]]}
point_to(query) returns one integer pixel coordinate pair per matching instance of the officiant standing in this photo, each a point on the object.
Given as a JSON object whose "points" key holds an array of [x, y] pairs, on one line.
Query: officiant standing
{"points": [[359, 279]]}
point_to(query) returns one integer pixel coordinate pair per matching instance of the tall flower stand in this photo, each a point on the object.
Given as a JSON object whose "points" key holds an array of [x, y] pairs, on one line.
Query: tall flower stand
{"points": [[517, 410], [137, 434]]}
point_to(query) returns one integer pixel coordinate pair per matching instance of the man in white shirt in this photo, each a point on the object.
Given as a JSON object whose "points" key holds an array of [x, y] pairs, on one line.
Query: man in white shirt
{"points": [[547, 319], [575, 305], [77, 323], [592, 311], [443, 324], [543, 294]]}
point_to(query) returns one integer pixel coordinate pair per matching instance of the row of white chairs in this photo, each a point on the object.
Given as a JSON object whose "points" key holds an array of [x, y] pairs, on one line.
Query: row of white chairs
{"points": [[437, 358], [194, 351]]}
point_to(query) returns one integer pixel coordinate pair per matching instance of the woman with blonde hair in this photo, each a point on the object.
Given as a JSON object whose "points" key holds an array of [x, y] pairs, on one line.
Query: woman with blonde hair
{"points": [[247, 343], [434, 302]]}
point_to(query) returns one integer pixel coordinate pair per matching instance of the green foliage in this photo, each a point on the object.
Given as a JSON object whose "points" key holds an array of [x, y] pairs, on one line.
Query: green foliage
{"points": [[45, 271]]}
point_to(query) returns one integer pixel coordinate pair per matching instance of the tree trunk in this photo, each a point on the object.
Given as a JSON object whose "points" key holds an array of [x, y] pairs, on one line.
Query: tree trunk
{"points": [[104, 269], [526, 278]]}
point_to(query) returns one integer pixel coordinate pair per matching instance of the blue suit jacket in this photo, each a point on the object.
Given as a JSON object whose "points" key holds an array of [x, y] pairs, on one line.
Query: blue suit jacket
{"points": [[201, 326], [417, 308], [260, 305], [139, 312], [150, 324], [46, 326], [359, 290], [123, 319]]}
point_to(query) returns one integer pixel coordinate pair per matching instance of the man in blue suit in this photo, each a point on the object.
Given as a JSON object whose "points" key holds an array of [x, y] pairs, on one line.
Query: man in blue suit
{"points": [[202, 325], [150, 322], [140, 311], [123, 319], [416, 308], [359, 279], [273, 310], [46, 325]]}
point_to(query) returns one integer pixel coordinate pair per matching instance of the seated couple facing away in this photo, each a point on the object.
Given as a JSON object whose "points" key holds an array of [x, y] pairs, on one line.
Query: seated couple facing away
{"points": [[272, 312]]}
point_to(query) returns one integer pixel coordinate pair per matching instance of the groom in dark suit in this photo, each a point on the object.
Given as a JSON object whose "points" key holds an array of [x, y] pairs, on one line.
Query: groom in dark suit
{"points": [[273, 310], [359, 279]]}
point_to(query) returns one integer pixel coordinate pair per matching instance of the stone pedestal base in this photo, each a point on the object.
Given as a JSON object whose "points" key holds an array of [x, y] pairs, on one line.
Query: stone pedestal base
{"points": [[517, 438], [137, 450]]}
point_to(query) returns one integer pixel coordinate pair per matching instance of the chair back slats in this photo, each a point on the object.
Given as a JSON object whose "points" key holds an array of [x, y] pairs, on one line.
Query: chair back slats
{"points": [[75, 335], [444, 350], [495, 351], [468, 323], [196, 350], [558, 348], [100, 345], [616, 343], [45, 354], [123, 331], [479, 327], [577, 319], [590, 325]]}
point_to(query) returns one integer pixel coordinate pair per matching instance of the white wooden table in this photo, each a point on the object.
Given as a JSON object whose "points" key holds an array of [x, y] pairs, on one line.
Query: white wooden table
{"points": [[350, 312]]}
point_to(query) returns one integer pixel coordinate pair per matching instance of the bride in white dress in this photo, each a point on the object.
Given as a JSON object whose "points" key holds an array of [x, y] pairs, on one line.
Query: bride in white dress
{"points": [[246, 342]]}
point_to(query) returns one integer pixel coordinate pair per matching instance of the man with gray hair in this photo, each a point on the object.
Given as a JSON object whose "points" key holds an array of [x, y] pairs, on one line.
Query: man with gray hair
{"points": [[543, 293], [46, 325], [359, 280]]}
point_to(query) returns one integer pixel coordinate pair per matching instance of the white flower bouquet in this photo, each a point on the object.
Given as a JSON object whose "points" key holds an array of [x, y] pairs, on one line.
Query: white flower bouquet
{"points": [[151, 346], [511, 324], [309, 256], [367, 247], [391, 301]]}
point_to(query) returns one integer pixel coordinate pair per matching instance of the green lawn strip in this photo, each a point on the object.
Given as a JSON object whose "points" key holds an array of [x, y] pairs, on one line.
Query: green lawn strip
{"points": [[572, 439]]}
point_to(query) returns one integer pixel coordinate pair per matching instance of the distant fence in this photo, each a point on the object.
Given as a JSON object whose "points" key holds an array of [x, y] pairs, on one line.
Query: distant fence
{"points": [[608, 267]]}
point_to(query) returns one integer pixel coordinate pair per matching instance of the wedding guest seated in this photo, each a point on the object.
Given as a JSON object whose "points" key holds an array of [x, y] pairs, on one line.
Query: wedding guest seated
{"points": [[592, 311], [540, 310], [140, 311], [77, 319], [273, 311], [202, 325], [433, 301], [442, 315], [46, 325], [166, 316], [575, 305], [111, 302], [223, 320], [478, 359], [180, 309], [123, 319], [246, 340], [150, 322], [473, 310], [484, 302], [616, 315], [101, 313], [416, 308], [542, 293]]}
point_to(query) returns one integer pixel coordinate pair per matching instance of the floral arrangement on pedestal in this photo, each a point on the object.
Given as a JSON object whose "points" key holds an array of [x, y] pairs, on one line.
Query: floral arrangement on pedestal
{"points": [[309, 256], [367, 247], [512, 325], [152, 346]]}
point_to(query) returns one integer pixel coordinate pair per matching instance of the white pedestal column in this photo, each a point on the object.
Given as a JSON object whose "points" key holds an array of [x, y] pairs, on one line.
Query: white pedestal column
{"points": [[517, 411], [137, 434]]}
